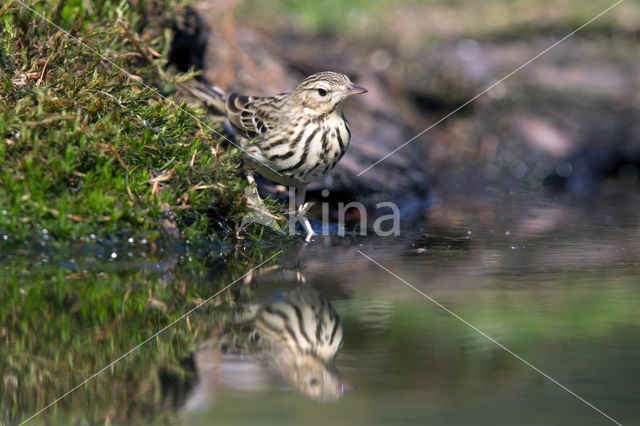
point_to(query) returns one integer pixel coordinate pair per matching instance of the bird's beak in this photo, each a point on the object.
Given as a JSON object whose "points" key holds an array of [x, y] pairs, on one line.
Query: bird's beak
{"points": [[354, 90]]}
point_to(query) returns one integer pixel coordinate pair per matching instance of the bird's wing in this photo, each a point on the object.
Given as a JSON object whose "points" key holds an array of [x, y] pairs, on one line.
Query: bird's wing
{"points": [[251, 116], [254, 116]]}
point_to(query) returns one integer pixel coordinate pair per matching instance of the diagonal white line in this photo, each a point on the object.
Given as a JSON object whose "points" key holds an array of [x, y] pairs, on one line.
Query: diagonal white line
{"points": [[492, 86], [449, 311], [146, 86], [135, 348]]}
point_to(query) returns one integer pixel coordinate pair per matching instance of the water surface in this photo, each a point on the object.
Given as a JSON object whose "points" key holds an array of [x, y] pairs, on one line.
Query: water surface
{"points": [[554, 282]]}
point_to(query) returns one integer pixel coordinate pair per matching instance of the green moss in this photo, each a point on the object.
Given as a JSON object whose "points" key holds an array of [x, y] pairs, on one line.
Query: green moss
{"points": [[86, 147]]}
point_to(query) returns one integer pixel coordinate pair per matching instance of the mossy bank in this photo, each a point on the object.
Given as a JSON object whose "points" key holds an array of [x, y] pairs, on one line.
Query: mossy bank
{"points": [[91, 138]]}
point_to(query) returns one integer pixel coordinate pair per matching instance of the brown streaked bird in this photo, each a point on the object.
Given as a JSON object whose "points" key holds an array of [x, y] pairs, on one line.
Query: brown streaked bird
{"points": [[292, 138], [294, 332]]}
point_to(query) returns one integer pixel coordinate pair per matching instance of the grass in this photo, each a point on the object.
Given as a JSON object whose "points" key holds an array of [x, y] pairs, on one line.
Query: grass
{"points": [[87, 148]]}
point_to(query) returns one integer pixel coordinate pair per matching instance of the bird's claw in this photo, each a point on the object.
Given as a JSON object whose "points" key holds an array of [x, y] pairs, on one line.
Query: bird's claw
{"points": [[304, 208]]}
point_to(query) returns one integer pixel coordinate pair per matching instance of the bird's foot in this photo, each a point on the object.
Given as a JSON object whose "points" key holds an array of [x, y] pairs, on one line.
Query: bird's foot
{"points": [[259, 213], [304, 209], [307, 227], [301, 215]]}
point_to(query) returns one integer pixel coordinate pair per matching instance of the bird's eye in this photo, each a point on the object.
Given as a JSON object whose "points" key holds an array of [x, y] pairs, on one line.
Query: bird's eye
{"points": [[322, 92]]}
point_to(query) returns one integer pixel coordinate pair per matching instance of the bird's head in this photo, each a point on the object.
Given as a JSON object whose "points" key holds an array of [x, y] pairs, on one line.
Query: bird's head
{"points": [[323, 92]]}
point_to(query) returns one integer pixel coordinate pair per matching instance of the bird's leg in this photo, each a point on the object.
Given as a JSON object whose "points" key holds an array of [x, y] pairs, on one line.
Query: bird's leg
{"points": [[301, 209], [254, 201], [259, 213], [252, 183], [253, 196]]}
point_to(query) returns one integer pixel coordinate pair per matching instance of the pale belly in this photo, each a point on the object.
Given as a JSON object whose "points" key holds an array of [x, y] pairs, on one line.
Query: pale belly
{"points": [[305, 159]]}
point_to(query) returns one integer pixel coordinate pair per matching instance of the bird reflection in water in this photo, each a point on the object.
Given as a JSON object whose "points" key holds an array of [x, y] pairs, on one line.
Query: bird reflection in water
{"points": [[285, 329]]}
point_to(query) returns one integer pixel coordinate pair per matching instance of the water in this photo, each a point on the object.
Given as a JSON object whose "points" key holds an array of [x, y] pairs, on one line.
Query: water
{"points": [[555, 283]]}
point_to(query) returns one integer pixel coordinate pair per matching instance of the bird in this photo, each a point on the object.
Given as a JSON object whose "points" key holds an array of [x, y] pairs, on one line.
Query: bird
{"points": [[292, 138], [292, 331], [298, 334]]}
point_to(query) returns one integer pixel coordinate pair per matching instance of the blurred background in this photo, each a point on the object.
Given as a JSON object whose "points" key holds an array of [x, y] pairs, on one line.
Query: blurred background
{"points": [[567, 121], [520, 214]]}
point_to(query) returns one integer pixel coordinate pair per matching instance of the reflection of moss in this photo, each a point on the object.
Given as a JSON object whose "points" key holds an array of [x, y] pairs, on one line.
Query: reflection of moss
{"points": [[83, 148], [60, 324]]}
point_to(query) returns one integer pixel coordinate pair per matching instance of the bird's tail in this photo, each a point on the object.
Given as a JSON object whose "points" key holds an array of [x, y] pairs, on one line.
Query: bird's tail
{"points": [[211, 96]]}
